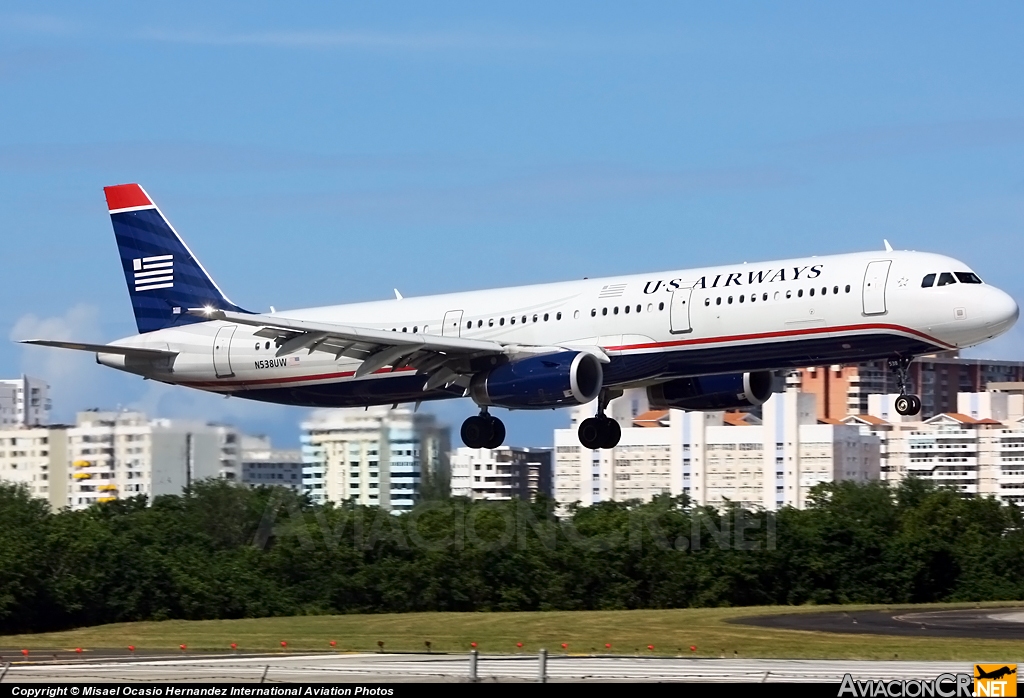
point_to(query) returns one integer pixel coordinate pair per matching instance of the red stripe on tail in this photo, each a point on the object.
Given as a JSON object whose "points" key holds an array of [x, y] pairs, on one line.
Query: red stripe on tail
{"points": [[125, 196]]}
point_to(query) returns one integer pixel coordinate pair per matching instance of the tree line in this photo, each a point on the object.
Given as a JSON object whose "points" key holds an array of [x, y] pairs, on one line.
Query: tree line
{"points": [[224, 551]]}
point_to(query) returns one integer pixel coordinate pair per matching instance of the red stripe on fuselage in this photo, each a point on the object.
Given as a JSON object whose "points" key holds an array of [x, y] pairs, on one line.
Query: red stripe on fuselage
{"points": [[628, 347]]}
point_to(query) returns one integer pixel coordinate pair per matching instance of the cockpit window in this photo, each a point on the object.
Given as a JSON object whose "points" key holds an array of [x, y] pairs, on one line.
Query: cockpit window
{"points": [[945, 278], [968, 277], [929, 280]]}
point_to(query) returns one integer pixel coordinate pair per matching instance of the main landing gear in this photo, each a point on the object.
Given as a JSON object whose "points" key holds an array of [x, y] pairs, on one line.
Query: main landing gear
{"points": [[906, 405], [483, 431], [600, 431]]}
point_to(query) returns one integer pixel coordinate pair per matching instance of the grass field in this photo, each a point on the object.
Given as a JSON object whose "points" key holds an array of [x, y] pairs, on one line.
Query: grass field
{"points": [[629, 632]]}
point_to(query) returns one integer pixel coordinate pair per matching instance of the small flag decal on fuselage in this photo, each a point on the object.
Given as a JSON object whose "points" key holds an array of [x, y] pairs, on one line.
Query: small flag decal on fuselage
{"points": [[154, 272]]}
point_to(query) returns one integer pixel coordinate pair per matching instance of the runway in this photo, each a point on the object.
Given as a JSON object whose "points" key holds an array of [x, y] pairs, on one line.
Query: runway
{"points": [[982, 623], [392, 668]]}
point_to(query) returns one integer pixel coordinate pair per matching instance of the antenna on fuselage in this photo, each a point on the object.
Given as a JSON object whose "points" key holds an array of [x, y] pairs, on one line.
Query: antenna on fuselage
{"points": [[888, 247]]}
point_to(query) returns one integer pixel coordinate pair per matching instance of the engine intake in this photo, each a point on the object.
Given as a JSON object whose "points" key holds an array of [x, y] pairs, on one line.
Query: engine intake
{"points": [[721, 392], [539, 382]]}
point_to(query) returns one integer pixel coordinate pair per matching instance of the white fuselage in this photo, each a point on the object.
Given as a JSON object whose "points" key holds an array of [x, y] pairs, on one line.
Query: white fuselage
{"points": [[654, 327]]}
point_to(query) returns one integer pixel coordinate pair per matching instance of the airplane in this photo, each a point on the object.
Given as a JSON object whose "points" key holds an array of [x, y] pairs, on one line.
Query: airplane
{"points": [[696, 339]]}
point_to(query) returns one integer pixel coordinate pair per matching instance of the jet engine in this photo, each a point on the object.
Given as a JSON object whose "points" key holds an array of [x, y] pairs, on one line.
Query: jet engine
{"points": [[720, 392], [539, 382]]}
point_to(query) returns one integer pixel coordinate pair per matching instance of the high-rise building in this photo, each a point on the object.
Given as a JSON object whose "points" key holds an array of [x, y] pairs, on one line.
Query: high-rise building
{"points": [[375, 457], [977, 449], [503, 473], [714, 457], [123, 454], [37, 458], [264, 465], [24, 402], [844, 390]]}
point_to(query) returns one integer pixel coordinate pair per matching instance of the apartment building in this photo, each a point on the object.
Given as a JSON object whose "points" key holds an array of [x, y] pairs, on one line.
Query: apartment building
{"points": [[501, 474], [714, 457], [264, 465], [375, 457]]}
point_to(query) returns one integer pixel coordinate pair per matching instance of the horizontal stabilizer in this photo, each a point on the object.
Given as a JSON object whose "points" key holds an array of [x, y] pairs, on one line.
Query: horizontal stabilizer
{"points": [[103, 348]]}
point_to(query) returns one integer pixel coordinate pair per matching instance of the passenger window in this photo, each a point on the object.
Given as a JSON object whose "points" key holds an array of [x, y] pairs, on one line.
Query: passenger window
{"points": [[490, 322], [661, 306], [576, 315], [479, 323], [835, 290], [753, 297], [707, 301], [501, 322], [257, 346], [545, 317], [267, 346], [650, 307], [730, 300], [638, 307], [415, 330], [742, 298], [789, 294], [512, 320], [524, 318], [615, 310], [604, 311], [968, 277], [847, 288], [718, 301], [535, 317], [625, 309], [593, 312], [558, 316], [800, 293], [405, 329], [945, 278], [469, 325], [928, 281], [764, 297], [811, 292], [824, 290]]}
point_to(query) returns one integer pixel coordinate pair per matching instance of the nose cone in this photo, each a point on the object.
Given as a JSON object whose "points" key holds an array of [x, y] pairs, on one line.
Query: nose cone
{"points": [[1000, 312]]}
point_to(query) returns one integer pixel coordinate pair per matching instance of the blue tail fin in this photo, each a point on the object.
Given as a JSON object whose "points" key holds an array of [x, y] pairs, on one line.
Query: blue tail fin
{"points": [[164, 277]]}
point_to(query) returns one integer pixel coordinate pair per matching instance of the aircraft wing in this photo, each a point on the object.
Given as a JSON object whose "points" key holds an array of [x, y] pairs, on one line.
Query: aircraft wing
{"points": [[447, 360], [103, 348]]}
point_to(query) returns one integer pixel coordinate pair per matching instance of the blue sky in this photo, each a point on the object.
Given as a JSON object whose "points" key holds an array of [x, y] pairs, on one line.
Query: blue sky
{"points": [[316, 153]]}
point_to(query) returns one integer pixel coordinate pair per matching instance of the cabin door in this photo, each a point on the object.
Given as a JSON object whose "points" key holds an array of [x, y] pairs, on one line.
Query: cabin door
{"points": [[222, 351], [874, 287]]}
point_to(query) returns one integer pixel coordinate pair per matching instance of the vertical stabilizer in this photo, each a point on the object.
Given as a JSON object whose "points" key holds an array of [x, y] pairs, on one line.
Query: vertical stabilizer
{"points": [[164, 278]]}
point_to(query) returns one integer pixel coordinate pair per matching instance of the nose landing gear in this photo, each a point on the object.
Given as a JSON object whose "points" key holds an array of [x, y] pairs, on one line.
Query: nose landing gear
{"points": [[600, 431], [906, 405], [483, 431]]}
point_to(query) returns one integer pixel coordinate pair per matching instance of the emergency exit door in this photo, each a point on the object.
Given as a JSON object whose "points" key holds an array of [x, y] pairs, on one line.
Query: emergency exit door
{"points": [[875, 277], [679, 310], [452, 326]]}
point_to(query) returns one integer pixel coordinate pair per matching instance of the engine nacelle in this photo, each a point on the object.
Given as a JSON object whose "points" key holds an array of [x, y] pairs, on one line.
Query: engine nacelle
{"points": [[722, 392], [538, 382]]}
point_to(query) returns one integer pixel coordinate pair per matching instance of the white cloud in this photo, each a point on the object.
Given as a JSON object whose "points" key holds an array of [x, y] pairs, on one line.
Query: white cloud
{"points": [[75, 381]]}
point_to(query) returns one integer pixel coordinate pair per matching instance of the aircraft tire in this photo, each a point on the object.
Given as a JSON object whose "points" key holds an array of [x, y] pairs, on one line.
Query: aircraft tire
{"points": [[476, 432], [497, 435], [591, 433], [612, 433]]}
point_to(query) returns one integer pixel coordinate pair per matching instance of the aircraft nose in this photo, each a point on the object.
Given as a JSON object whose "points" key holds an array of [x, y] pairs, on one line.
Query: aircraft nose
{"points": [[1001, 311]]}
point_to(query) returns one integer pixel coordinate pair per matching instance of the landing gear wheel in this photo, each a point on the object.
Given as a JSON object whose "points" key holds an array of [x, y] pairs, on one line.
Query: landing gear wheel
{"points": [[497, 433], [592, 433], [483, 431], [908, 405], [476, 431], [612, 433]]}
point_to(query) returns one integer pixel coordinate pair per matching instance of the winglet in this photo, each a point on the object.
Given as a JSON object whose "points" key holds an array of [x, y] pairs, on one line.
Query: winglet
{"points": [[398, 296], [888, 247]]}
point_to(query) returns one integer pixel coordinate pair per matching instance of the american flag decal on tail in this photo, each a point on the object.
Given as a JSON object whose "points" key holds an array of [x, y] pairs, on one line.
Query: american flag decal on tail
{"points": [[154, 272]]}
